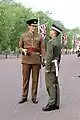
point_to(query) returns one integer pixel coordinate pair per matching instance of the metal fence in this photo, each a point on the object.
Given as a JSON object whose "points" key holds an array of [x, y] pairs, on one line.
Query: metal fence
{"points": [[9, 55]]}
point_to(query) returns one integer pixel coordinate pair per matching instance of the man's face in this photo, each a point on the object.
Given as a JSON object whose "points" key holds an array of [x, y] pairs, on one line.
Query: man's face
{"points": [[52, 33], [32, 27]]}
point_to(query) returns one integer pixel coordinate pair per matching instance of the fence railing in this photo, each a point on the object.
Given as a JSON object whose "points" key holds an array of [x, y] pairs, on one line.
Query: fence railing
{"points": [[9, 55]]}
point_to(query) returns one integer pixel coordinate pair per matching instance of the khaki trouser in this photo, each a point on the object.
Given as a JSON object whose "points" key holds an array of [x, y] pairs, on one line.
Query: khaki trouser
{"points": [[26, 70], [52, 86]]}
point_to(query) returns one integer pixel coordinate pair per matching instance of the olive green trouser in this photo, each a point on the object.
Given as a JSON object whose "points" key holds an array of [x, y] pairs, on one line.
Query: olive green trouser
{"points": [[52, 86]]}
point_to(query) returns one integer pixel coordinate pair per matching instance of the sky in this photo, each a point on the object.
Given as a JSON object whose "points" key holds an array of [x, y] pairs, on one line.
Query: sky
{"points": [[66, 11]]}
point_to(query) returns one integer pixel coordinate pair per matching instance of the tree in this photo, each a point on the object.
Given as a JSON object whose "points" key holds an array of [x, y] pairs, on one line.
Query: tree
{"points": [[13, 17], [70, 40]]}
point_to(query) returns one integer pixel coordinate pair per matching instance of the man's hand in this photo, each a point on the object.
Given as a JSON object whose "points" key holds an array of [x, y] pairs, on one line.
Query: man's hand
{"points": [[43, 62], [24, 51]]}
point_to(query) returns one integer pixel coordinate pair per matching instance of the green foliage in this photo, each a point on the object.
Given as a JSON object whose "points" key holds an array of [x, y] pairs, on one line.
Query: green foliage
{"points": [[70, 40], [12, 23], [13, 19]]}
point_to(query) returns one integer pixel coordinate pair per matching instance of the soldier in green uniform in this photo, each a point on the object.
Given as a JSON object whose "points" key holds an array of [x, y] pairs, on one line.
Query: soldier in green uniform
{"points": [[60, 47], [51, 70], [32, 48]]}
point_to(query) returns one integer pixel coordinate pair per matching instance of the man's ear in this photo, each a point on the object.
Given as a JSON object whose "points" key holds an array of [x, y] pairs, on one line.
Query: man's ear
{"points": [[29, 26]]}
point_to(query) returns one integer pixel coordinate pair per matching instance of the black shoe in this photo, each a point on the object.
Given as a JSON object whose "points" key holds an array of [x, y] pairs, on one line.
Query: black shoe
{"points": [[34, 101], [57, 107], [49, 107], [22, 100], [78, 75]]}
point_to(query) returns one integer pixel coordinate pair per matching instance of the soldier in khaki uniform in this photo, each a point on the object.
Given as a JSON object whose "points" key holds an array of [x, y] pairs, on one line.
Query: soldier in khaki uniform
{"points": [[32, 48], [51, 70]]}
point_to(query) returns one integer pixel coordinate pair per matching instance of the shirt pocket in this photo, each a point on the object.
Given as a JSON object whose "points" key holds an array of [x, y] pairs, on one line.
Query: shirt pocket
{"points": [[27, 41], [37, 42]]}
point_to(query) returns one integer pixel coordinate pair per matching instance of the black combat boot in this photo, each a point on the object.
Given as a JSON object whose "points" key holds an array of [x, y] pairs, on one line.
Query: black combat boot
{"points": [[78, 75], [34, 101], [57, 107], [22, 100], [50, 107]]}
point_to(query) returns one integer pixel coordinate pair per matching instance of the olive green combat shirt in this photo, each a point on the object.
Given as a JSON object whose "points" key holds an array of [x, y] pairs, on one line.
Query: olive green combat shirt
{"points": [[52, 53]]}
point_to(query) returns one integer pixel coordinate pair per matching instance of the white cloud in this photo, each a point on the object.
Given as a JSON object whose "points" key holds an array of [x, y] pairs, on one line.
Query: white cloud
{"points": [[66, 11]]}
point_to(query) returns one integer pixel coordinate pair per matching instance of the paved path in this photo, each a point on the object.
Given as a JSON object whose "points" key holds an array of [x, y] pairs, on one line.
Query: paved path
{"points": [[10, 90]]}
